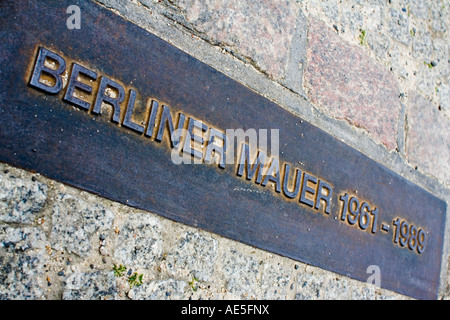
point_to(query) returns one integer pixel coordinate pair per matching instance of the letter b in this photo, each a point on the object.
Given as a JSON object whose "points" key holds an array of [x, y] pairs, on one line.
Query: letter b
{"points": [[55, 74]]}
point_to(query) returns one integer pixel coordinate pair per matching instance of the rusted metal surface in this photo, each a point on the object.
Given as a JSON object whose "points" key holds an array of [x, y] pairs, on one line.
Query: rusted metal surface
{"points": [[348, 213]]}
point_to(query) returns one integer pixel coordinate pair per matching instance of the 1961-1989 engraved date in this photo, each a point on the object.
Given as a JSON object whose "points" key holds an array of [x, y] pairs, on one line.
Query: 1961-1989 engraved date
{"points": [[357, 212]]}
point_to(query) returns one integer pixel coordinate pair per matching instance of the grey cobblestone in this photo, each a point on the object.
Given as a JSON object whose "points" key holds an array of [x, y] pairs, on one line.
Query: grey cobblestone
{"points": [[422, 44], [75, 222], [439, 15], [240, 273], [419, 8], [399, 26], [275, 281], [193, 256], [21, 239], [96, 285], [22, 258], [169, 289], [139, 242], [20, 200], [310, 286]]}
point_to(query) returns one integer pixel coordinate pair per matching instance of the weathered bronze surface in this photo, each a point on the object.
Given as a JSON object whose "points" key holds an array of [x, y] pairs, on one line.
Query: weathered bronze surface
{"points": [[95, 107]]}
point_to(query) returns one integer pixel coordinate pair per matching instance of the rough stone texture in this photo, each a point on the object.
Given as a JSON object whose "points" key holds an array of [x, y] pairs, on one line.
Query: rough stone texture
{"points": [[445, 99], [399, 26], [310, 286], [194, 256], [20, 201], [75, 222], [21, 239], [241, 274], [21, 263], [422, 44], [169, 289], [316, 284], [261, 31], [419, 8], [439, 15], [275, 281], [428, 138], [95, 285], [139, 242], [349, 85]]}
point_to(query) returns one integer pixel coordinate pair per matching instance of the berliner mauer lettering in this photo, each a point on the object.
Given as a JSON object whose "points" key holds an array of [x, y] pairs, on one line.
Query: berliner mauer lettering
{"points": [[106, 114]]}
